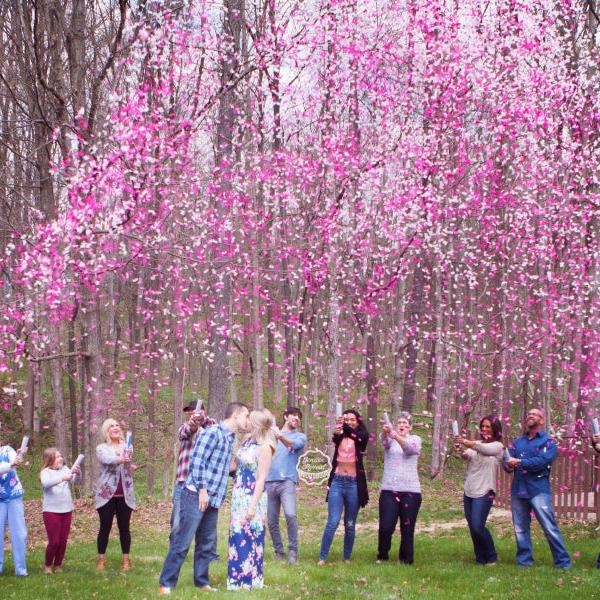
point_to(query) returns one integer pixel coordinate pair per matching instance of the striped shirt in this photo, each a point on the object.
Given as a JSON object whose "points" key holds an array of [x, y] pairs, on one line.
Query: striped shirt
{"points": [[210, 461], [400, 472]]}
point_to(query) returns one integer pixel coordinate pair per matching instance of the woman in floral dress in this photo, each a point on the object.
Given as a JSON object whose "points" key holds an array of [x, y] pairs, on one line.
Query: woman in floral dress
{"points": [[249, 505]]}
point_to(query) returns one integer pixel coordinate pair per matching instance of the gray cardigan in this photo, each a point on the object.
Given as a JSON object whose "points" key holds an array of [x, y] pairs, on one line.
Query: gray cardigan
{"points": [[109, 476]]}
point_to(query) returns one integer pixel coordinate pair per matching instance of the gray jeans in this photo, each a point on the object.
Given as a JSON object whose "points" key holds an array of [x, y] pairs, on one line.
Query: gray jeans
{"points": [[282, 493]]}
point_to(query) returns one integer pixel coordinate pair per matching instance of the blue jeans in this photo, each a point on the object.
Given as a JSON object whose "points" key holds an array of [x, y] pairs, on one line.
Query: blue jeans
{"points": [[192, 524], [179, 486], [541, 505], [343, 495], [13, 512], [282, 493], [476, 513]]}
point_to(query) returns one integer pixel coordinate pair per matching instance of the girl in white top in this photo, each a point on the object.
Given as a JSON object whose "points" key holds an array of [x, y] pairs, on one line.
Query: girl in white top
{"points": [[57, 506], [484, 456]]}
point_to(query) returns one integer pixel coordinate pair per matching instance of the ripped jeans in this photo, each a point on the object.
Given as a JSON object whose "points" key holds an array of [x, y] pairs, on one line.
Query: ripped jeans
{"points": [[343, 495], [541, 506]]}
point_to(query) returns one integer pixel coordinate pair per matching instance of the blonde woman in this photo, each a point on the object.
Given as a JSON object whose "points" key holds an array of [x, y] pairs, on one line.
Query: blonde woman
{"points": [[114, 491], [57, 506], [249, 504]]}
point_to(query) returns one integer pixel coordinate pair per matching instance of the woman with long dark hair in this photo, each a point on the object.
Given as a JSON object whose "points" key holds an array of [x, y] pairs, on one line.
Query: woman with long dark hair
{"points": [[347, 481], [484, 457]]}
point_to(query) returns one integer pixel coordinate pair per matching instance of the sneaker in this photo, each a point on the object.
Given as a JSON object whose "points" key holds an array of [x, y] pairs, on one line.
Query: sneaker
{"points": [[292, 557], [163, 590], [279, 556], [207, 588]]}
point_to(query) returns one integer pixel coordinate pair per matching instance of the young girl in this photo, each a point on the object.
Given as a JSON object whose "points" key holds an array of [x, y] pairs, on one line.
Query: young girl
{"points": [[57, 506]]}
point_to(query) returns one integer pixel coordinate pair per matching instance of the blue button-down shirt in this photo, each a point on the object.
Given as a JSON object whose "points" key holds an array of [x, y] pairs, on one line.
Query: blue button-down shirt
{"points": [[532, 476], [210, 461], [285, 461]]}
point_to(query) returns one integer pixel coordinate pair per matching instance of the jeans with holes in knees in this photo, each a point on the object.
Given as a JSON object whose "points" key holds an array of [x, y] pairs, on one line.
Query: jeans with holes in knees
{"points": [[282, 493], [541, 505], [476, 513], [343, 496], [13, 512]]}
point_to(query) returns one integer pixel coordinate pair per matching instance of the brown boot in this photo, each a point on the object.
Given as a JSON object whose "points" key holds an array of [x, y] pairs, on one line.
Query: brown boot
{"points": [[100, 565], [126, 564]]}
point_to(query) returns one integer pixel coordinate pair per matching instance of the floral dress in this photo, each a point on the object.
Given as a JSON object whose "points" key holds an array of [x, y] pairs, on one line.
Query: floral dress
{"points": [[246, 538]]}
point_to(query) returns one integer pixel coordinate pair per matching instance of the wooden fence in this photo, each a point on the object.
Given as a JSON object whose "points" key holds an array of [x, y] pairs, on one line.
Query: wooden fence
{"points": [[575, 482]]}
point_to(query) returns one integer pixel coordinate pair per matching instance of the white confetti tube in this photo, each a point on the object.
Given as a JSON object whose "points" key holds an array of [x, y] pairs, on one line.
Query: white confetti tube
{"points": [[596, 426], [386, 419], [23, 448], [338, 409], [455, 431], [506, 454], [198, 407], [78, 461], [129, 440]]}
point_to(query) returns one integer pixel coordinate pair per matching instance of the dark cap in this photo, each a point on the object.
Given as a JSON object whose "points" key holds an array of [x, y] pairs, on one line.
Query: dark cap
{"points": [[192, 407]]}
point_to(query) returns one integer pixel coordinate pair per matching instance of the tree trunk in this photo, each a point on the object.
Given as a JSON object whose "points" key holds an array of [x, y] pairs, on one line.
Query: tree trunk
{"points": [[227, 119], [257, 374], [399, 347], [440, 410], [333, 363], [412, 350], [72, 375], [372, 400], [58, 393]]}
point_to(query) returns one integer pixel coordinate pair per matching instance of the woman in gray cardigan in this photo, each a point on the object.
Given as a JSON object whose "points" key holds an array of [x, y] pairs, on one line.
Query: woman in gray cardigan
{"points": [[114, 491], [483, 456]]}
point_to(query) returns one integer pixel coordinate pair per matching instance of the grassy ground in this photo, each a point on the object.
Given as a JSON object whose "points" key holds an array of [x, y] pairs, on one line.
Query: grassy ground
{"points": [[444, 565]]}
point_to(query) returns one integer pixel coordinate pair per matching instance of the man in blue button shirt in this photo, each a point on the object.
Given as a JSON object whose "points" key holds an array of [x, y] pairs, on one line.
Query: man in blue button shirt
{"points": [[204, 492], [531, 458], [281, 484]]}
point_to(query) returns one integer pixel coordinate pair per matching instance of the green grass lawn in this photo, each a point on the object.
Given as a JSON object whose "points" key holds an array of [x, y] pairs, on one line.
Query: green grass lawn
{"points": [[444, 566]]}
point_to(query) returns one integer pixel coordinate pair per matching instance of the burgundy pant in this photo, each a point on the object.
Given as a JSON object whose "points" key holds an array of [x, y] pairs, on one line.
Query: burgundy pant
{"points": [[58, 526]]}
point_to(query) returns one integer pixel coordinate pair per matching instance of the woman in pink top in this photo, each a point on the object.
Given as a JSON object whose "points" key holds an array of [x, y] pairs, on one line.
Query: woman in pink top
{"points": [[347, 481]]}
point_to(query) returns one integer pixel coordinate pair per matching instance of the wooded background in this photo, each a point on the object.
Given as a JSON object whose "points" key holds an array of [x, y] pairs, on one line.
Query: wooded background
{"points": [[389, 204]]}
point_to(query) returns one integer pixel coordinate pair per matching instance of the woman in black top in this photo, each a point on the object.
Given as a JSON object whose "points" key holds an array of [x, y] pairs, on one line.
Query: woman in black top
{"points": [[347, 481]]}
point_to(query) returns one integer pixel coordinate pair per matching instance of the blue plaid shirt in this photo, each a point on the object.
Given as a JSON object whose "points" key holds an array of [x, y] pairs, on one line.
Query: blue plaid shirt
{"points": [[209, 463]]}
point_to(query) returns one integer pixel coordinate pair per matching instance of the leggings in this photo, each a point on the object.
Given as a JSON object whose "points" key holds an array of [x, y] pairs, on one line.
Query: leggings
{"points": [[115, 506], [58, 526]]}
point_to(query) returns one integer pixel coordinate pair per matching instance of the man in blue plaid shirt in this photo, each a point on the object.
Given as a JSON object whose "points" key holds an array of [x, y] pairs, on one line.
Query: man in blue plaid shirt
{"points": [[204, 492]]}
